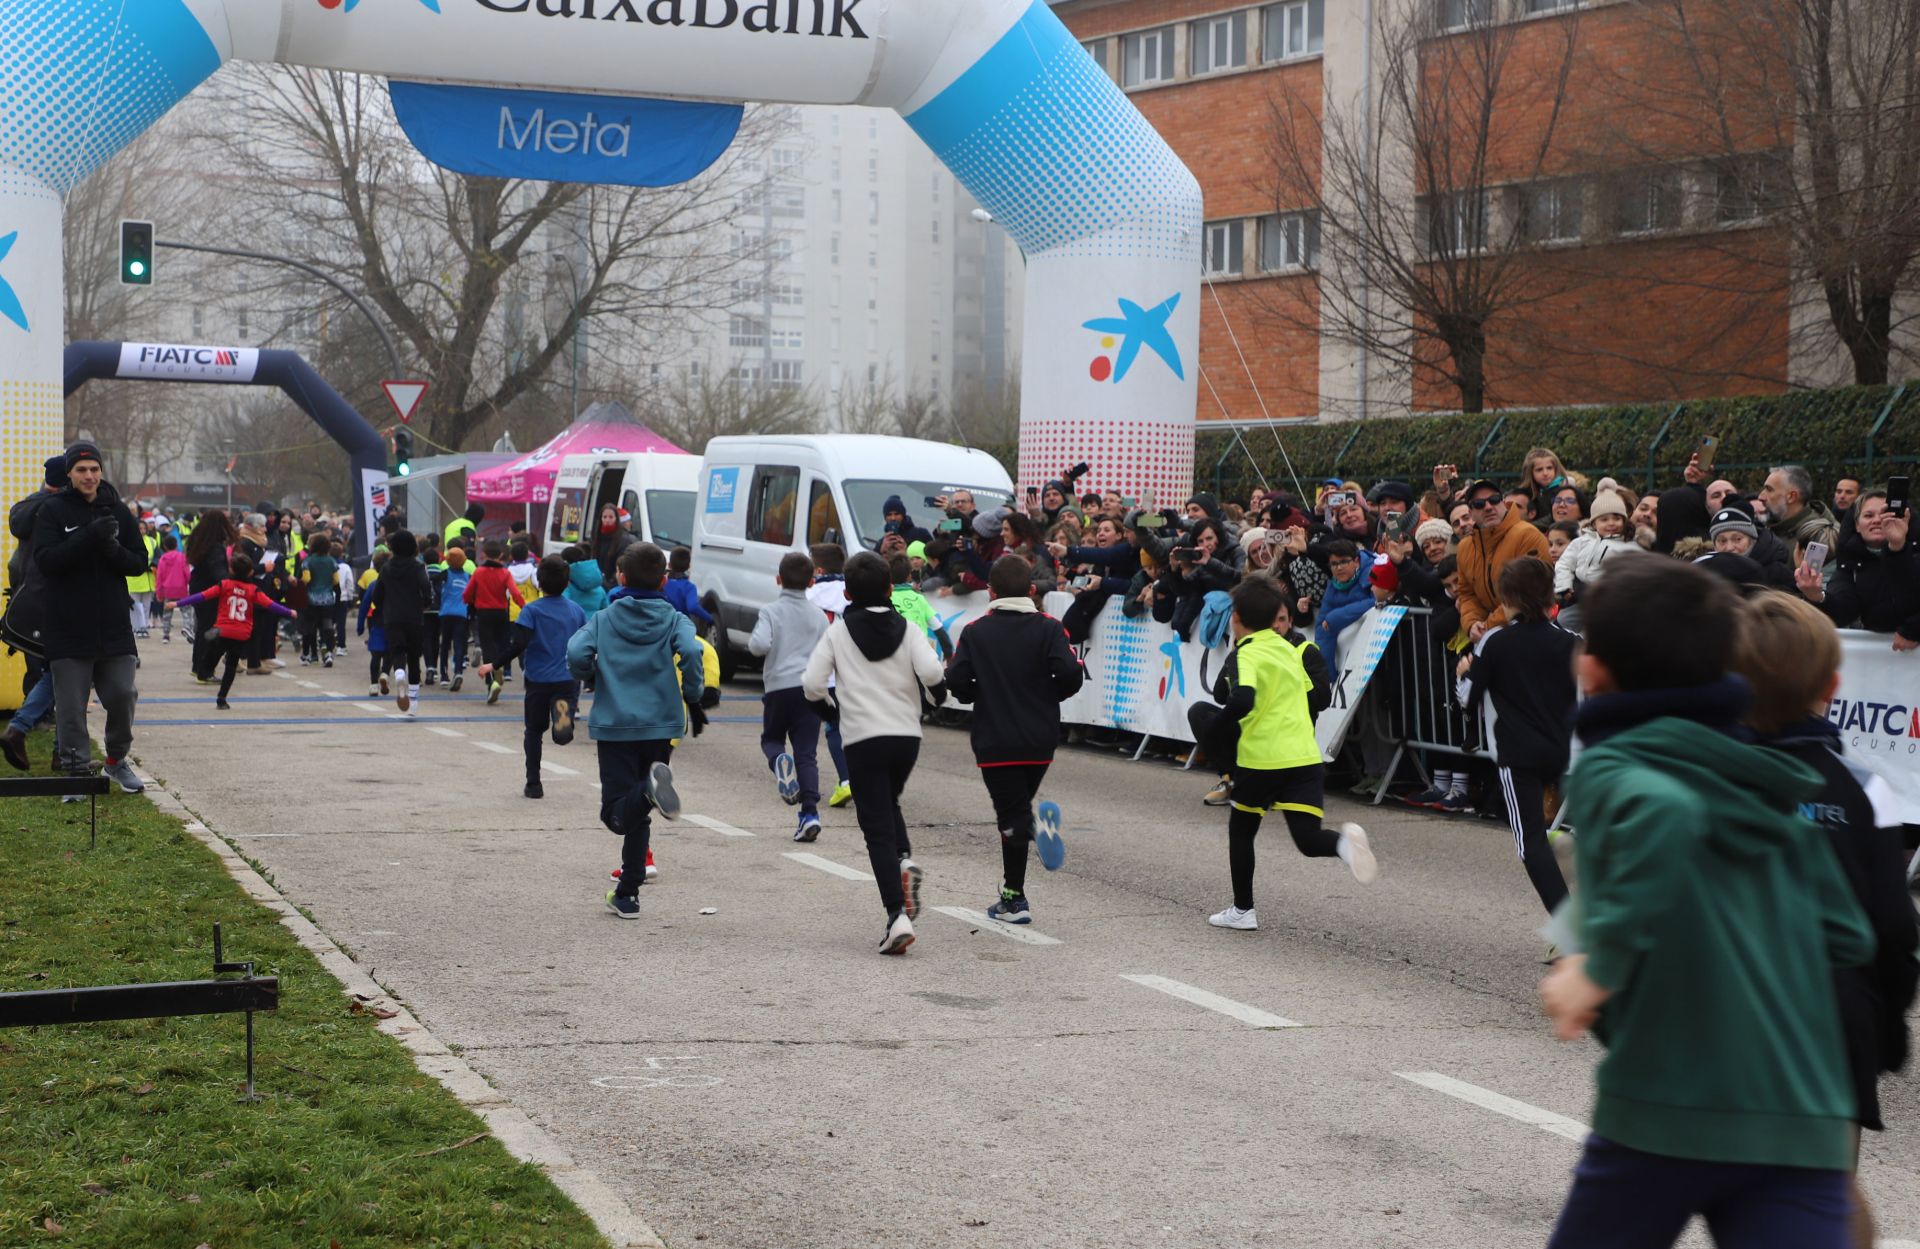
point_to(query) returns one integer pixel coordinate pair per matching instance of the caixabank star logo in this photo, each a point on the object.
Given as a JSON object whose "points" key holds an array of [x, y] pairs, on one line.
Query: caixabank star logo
{"points": [[1133, 329]]}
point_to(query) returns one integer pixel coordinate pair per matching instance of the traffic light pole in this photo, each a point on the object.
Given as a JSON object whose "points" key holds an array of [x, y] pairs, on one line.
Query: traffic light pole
{"points": [[386, 340]]}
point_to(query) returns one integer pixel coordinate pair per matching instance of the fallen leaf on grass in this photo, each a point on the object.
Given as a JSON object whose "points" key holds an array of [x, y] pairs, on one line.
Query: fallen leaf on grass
{"points": [[192, 1199], [98, 1190], [38, 975], [447, 1149], [381, 1012], [53, 1226], [143, 1090]]}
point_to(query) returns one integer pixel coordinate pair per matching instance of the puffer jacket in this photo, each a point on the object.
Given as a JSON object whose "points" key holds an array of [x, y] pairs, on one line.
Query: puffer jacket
{"points": [[1483, 553], [86, 573], [1581, 563]]}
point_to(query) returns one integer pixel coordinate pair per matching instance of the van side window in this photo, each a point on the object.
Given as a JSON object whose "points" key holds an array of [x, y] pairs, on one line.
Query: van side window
{"points": [[776, 491], [822, 516]]}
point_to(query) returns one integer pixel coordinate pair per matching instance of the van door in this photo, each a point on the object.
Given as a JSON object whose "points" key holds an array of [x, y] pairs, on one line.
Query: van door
{"points": [[773, 503]]}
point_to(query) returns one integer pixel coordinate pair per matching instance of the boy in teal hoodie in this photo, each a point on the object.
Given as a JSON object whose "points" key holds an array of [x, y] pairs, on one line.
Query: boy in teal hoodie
{"points": [[640, 706], [1712, 915]]}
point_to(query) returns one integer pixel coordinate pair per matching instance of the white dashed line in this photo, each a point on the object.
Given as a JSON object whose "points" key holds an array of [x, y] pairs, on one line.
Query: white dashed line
{"points": [[1214, 1002], [311, 685], [1012, 932], [825, 865], [332, 694], [1487, 1099], [556, 769], [496, 748], [434, 728], [719, 826], [375, 708]]}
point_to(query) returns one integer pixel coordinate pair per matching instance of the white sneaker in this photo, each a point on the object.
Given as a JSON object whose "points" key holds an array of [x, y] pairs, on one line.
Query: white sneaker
{"points": [[374, 689], [276, 663], [1234, 917], [1358, 854], [899, 935]]}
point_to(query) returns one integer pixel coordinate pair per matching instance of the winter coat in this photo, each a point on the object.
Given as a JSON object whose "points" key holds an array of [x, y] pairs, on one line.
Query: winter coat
{"points": [[1585, 556], [1814, 523], [629, 652], [86, 571], [1878, 590], [1340, 607], [1483, 553], [1014, 665], [585, 586], [606, 553], [171, 581]]}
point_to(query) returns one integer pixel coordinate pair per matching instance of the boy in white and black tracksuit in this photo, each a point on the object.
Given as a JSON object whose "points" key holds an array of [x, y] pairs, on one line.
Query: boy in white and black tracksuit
{"points": [[1015, 666], [879, 667]]}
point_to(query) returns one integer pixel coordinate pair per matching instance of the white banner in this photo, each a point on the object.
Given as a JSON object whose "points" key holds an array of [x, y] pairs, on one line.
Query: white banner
{"points": [[176, 362], [1361, 645], [1877, 711], [377, 499]]}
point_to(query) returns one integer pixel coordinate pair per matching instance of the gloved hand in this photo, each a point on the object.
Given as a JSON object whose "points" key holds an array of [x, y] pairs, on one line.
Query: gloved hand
{"points": [[105, 530], [710, 697], [827, 709], [696, 719]]}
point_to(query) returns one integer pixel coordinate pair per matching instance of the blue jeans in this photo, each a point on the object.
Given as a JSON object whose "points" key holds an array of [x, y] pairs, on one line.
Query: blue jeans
{"points": [[1623, 1198], [36, 705]]}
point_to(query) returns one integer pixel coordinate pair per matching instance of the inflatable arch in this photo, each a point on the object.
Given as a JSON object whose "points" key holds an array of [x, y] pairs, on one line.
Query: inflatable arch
{"points": [[1108, 217]]}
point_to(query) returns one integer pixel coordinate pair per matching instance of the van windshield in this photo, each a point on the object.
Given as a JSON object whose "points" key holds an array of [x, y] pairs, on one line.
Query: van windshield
{"points": [[670, 516], [866, 498]]}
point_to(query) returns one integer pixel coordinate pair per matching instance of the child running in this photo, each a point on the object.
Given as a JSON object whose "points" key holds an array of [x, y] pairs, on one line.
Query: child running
{"points": [[1277, 764], [787, 632], [170, 584], [1015, 666], [487, 594], [869, 672], [320, 573], [541, 634], [829, 594], [369, 625], [401, 596], [681, 591], [453, 618], [237, 599], [1712, 919], [640, 706]]}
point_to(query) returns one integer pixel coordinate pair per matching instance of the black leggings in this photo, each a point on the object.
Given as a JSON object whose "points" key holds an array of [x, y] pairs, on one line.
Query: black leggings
{"points": [[1013, 787], [403, 650], [878, 769], [316, 626], [541, 695], [1296, 793], [1525, 791], [228, 650]]}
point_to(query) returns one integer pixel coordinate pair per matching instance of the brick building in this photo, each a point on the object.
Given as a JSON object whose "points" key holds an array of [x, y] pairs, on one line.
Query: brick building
{"points": [[1621, 233]]}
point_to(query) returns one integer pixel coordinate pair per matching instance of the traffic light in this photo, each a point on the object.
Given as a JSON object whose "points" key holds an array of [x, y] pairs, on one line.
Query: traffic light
{"points": [[136, 253], [402, 451]]}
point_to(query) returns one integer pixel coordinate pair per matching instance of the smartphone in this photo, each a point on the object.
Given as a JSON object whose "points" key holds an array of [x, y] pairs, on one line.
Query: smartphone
{"points": [[1709, 445], [1896, 496], [1033, 492], [1153, 520], [1409, 522], [1815, 557], [953, 525]]}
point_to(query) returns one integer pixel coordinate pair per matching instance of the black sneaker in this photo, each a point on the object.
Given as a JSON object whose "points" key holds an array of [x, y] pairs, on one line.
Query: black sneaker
{"points": [[626, 906], [1011, 908], [458, 677], [223, 704], [666, 799], [562, 717], [534, 790]]}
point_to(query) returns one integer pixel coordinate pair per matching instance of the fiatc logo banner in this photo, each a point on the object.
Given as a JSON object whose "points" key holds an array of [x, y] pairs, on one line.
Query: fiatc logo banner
{"points": [[1877, 711], [174, 362]]}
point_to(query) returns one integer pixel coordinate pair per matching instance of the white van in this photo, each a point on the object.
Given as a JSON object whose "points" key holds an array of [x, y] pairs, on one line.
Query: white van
{"points": [[657, 488], [761, 497]]}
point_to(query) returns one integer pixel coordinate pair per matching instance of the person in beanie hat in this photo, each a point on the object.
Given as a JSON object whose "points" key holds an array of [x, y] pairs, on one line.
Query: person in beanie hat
{"points": [[24, 579], [1581, 564], [86, 545], [1733, 531], [1385, 580]]}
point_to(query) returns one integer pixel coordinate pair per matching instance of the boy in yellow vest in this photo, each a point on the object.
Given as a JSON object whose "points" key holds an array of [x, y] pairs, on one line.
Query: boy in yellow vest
{"points": [[1277, 763]]}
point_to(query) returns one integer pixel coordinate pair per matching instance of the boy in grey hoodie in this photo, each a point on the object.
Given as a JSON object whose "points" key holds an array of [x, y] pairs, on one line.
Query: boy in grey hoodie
{"points": [[641, 705], [788, 630]]}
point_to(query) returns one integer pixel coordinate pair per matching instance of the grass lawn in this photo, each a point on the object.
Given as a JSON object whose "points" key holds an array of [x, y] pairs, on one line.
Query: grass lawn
{"points": [[132, 1134]]}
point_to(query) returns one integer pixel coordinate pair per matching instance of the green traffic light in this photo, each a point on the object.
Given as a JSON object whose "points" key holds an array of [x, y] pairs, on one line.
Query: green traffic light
{"points": [[405, 470], [137, 267]]}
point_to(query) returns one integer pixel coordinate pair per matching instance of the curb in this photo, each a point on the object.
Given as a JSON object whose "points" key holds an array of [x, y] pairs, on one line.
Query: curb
{"points": [[522, 1137]]}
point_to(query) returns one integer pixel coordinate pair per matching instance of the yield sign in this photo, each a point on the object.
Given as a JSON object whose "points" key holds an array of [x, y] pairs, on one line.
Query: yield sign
{"points": [[404, 396]]}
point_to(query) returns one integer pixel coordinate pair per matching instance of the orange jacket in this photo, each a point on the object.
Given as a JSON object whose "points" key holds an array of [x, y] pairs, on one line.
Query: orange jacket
{"points": [[1482, 555]]}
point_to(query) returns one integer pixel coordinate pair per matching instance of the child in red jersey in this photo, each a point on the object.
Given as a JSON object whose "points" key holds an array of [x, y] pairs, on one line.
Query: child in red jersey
{"points": [[237, 599]]}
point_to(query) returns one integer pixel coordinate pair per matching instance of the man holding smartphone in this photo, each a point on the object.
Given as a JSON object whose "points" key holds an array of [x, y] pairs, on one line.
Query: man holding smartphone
{"points": [[1795, 516]]}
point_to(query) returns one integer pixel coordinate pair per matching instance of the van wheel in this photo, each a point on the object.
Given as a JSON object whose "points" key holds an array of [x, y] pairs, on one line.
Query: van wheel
{"points": [[728, 657]]}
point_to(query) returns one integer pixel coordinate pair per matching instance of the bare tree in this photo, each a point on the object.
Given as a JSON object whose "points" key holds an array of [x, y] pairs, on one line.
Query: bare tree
{"points": [[1809, 114], [869, 408], [983, 416], [1402, 205], [486, 281], [697, 408]]}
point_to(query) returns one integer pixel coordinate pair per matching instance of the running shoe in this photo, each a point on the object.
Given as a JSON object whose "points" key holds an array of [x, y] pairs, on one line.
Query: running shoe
{"points": [[458, 677], [788, 779], [534, 789], [1358, 853], [910, 878], [373, 689], [385, 686], [221, 704], [561, 716], [14, 745], [666, 799], [1234, 917], [276, 663], [1368, 786], [493, 690], [652, 871], [1220, 795], [1011, 908], [899, 935], [200, 680], [433, 678], [403, 693], [1431, 796], [809, 828], [1456, 804], [623, 905], [122, 775], [841, 796], [326, 660], [1053, 851]]}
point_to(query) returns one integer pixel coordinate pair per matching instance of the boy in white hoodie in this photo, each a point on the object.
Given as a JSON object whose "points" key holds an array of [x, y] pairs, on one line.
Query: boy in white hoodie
{"points": [[879, 667]]}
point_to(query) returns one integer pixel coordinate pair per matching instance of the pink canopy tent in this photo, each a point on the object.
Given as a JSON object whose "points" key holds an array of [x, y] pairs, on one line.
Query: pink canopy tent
{"points": [[603, 429]]}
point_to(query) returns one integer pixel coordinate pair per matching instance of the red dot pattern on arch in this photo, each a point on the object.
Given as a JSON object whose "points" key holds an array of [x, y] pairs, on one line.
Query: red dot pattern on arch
{"points": [[1127, 456]]}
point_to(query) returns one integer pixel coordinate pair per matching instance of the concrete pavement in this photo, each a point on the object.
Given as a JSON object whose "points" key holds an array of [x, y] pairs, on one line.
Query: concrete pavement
{"points": [[760, 1077]]}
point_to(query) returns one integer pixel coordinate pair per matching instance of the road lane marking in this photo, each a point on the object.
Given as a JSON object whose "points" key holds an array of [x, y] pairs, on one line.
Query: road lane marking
{"points": [[825, 865], [1012, 932], [312, 685], [375, 708], [331, 694], [719, 826], [557, 770], [1213, 1001], [1487, 1099], [434, 728], [496, 748], [273, 834]]}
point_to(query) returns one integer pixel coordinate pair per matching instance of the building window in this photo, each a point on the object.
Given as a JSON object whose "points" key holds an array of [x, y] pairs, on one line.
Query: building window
{"points": [[1456, 224], [792, 339], [744, 376], [1224, 249], [1296, 29], [1097, 49], [936, 227], [693, 369], [836, 207], [873, 168], [653, 372], [873, 340], [833, 343], [1147, 57], [833, 249], [1552, 6], [873, 208], [1648, 200], [873, 259], [199, 323], [1219, 43], [1550, 211], [1745, 189], [746, 332], [245, 331], [873, 294], [785, 374], [836, 290], [1290, 241], [1464, 14]]}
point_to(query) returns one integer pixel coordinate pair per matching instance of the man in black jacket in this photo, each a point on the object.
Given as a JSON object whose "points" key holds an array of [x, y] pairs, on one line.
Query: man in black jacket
{"points": [[1014, 665], [25, 581], [86, 544]]}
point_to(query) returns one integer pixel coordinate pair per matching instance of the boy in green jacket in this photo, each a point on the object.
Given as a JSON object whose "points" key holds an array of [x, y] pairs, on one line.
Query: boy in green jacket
{"points": [[1712, 916]]}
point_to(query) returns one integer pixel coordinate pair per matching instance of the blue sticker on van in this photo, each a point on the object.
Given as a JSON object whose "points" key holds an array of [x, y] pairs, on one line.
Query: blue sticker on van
{"points": [[723, 484]]}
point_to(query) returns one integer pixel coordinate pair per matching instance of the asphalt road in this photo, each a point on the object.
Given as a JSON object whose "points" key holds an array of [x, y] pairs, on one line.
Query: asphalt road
{"points": [[1368, 1069]]}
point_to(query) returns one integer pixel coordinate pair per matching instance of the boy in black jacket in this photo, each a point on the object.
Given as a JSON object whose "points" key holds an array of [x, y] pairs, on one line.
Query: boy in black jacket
{"points": [[1014, 665], [1790, 654], [401, 596]]}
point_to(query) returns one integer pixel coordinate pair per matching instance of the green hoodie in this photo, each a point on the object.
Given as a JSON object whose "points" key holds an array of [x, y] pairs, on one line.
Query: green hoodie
{"points": [[1715, 913]]}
